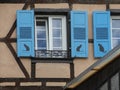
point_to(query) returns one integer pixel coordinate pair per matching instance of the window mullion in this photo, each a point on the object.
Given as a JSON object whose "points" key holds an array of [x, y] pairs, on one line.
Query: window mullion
{"points": [[36, 35], [64, 34], [50, 34]]}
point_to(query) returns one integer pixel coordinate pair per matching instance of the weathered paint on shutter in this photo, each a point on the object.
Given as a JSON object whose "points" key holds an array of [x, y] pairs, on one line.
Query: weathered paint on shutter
{"points": [[101, 27], [25, 33], [79, 34]]}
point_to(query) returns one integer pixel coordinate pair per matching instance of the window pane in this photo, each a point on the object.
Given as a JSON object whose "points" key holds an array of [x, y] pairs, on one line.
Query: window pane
{"points": [[115, 23], [41, 44], [116, 33], [56, 22], [115, 42], [40, 23], [42, 28], [56, 33], [41, 34], [57, 43], [50, 32]]}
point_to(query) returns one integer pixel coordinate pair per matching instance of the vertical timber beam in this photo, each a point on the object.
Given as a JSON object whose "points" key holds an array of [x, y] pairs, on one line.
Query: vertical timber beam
{"points": [[107, 6], [72, 70], [32, 4], [70, 2], [33, 69], [17, 83]]}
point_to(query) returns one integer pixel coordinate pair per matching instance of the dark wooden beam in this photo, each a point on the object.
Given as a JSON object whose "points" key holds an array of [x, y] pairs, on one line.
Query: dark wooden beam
{"points": [[72, 71], [35, 79], [52, 60], [30, 88], [17, 84], [90, 41], [33, 69], [32, 4], [70, 2], [10, 40], [107, 6], [65, 1], [14, 40], [44, 84]]}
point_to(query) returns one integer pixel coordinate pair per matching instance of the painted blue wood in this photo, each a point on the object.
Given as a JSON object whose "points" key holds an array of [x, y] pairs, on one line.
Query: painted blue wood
{"points": [[79, 34], [25, 33], [102, 36]]}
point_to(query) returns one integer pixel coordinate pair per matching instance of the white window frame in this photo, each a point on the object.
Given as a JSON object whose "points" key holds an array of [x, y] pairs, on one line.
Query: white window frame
{"points": [[113, 17], [49, 31]]}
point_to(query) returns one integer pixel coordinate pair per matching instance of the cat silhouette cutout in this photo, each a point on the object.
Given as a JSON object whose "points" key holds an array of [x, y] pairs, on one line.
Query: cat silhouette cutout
{"points": [[78, 48], [101, 48], [26, 47]]}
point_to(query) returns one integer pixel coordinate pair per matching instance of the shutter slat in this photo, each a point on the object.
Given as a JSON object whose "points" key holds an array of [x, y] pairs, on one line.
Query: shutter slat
{"points": [[25, 33], [79, 34], [101, 27], [101, 33]]}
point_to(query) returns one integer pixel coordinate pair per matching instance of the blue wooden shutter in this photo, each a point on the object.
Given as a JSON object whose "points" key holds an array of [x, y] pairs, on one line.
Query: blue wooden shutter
{"points": [[79, 34], [25, 33], [101, 27]]}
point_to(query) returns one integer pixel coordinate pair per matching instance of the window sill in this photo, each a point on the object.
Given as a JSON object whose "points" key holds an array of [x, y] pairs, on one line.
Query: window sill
{"points": [[52, 60]]}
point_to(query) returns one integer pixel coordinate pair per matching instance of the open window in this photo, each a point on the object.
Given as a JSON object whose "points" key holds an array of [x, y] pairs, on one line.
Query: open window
{"points": [[43, 33], [50, 36], [46, 31]]}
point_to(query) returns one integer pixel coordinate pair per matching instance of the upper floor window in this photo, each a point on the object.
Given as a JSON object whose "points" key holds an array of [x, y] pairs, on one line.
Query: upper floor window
{"points": [[115, 27], [50, 36]]}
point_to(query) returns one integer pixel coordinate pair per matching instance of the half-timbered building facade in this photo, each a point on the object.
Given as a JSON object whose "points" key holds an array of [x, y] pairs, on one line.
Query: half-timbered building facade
{"points": [[44, 44]]}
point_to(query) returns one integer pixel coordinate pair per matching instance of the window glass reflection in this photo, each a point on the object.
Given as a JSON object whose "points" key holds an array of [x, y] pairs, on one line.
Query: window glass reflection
{"points": [[115, 23], [56, 22], [116, 33], [56, 32], [57, 42], [41, 44], [41, 34], [115, 42]]}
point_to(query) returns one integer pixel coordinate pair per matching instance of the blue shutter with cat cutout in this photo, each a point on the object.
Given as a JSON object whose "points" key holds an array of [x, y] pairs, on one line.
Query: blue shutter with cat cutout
{"points": [[79, 34], [101, 27], [25, 33]]}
